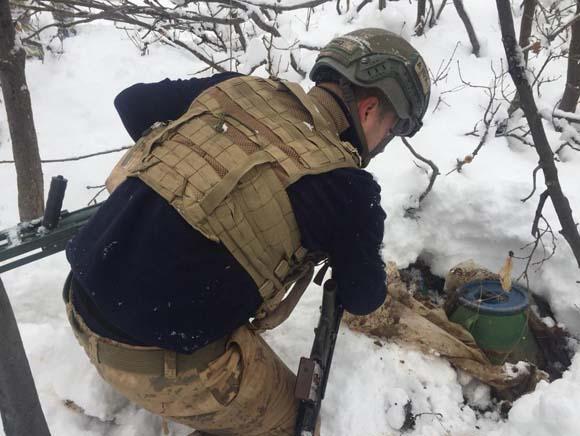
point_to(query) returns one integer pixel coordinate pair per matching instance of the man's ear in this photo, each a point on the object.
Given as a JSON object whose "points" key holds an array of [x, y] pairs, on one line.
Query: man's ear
{"points": [[366, 106]]}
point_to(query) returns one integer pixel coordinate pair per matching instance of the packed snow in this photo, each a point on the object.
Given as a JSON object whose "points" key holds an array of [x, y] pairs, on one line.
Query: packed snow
{"points": [[475, 213]]}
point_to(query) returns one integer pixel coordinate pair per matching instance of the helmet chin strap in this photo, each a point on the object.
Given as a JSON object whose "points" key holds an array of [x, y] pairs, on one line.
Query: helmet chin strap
{"points": [[381, 147], [350, 101]]}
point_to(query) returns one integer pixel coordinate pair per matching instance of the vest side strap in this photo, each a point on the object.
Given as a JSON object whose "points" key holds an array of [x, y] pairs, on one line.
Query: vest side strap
{"points": [[281, 313]]}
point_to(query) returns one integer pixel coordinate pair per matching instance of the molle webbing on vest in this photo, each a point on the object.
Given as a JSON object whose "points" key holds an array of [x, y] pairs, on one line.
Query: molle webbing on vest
{"points": [[330, 108], [225, 165]]}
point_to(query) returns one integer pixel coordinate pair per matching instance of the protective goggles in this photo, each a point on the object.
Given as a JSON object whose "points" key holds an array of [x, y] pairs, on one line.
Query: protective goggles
{"points": [[406, 127], [403, 127]]}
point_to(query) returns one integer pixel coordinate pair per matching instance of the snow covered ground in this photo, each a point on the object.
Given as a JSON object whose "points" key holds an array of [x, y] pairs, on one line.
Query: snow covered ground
{"points": [[473, 214]]}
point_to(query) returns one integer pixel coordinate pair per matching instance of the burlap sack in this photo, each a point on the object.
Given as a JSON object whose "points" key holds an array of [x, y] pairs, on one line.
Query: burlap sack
{"points": [[406, 321]]}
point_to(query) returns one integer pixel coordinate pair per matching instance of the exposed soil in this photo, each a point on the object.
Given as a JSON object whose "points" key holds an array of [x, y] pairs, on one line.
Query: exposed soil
{"points": [[553, 341]]}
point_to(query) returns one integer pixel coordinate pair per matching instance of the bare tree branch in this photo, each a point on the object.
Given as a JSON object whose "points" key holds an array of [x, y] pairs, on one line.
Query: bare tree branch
{"points": [[535, 244], [275, 6], [434, 169], [18, 106], [430, 18], [488, 116], [517, 71], [263, 25], [534, 177], [443, 70], [192, 26], [468, 26], [421, 19], [526, 24], [440, 11], [145, 17], [94, 198], [296, 66], [363, 4], [556, 33], [543, 197], [572, 90], [19, 405], [310, 47], [75, 158]]}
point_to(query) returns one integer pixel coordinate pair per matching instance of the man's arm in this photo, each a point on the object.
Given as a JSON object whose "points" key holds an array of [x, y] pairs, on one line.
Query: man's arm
{"points": [[358, 267], [339, 213], [143, 104]]}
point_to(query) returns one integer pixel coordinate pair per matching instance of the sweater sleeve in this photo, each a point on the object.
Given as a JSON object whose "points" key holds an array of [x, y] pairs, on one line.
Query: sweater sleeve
{"points": [[340, 213], [143, 104], [356, 258]]}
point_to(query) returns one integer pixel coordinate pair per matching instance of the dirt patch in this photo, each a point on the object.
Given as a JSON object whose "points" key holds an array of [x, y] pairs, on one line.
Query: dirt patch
{"points": [[415, 314], [552, 340]]}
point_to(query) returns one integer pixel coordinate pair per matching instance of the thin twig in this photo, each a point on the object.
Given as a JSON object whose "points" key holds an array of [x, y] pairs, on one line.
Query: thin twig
{"points": [[534, 177], [443, 70], [440, 11], [363, 4], [75, 158], [310, 47], [435, 170], [296, 66], [469, 158], [93, 200], [541, 202], [553, 35]]}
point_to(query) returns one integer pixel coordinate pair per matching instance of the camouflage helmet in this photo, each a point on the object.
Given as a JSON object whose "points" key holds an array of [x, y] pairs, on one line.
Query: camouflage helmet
{"points": [[377, 58]]}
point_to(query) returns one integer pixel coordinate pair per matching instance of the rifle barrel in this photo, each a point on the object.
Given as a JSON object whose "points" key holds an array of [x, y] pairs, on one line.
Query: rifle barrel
{"points": [[30, 241], [320, 356]]}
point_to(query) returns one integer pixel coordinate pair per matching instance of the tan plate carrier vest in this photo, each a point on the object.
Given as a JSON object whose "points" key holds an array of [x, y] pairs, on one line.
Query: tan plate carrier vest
{"points": [[225, 165]]}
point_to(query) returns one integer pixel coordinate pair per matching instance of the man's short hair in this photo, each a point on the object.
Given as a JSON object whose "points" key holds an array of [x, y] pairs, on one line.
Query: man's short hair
{"points": [[360, 92], [385, 106]]}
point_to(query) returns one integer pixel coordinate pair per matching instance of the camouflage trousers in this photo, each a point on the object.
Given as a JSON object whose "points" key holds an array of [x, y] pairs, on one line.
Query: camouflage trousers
{"points": [[246, 391]]}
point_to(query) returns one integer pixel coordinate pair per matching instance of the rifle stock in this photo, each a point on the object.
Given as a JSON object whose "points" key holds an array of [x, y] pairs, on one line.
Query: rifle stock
{"points": [[313, 372]]}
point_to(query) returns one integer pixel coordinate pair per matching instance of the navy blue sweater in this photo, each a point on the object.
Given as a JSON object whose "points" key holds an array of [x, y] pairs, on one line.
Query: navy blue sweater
{"points": [[146, 277]]}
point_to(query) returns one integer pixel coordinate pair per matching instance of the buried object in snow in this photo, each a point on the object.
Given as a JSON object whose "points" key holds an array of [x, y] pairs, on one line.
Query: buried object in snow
{"points": [[497, 320], [411, 319]]}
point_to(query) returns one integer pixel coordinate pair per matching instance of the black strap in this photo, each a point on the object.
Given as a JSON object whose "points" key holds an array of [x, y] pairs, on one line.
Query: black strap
{"points": [[348, 95], [319, 278]]}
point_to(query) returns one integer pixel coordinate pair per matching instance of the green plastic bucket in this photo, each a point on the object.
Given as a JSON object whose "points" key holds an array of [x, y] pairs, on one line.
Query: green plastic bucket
{"points": [[497, 320]]}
